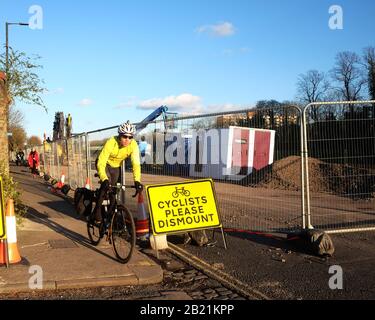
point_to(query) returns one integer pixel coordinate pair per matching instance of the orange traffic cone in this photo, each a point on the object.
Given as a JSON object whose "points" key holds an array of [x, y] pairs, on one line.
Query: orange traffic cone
{"points": [[141, 224], [61, 182], [87, 185], [13, 253]]}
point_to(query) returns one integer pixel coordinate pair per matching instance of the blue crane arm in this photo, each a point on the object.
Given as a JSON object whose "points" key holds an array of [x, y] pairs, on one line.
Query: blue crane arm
{"points": [[151, 117]]}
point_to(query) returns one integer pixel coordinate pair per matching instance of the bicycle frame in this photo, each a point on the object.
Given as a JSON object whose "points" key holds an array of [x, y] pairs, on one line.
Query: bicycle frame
{"points": [[113, 190]]}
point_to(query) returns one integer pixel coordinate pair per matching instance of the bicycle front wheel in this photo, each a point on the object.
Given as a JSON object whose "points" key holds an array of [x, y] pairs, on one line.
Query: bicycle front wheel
{"points": [[94, 232], [123, 234]]}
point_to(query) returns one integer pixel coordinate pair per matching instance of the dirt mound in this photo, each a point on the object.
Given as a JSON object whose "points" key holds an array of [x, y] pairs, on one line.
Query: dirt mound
{"points": [[286, 174], [323, 177]]}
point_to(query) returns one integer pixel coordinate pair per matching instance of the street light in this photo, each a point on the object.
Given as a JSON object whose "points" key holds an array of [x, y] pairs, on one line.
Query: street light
{"points": [[7, 24]]}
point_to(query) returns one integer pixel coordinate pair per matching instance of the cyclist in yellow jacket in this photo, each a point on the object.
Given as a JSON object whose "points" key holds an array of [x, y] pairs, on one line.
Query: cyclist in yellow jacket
{"points": [[114, 152]]}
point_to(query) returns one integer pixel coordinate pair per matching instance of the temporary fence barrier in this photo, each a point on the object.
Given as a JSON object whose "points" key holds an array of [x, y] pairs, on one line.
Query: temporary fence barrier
{"points": [[339, 148], [255, 158]]}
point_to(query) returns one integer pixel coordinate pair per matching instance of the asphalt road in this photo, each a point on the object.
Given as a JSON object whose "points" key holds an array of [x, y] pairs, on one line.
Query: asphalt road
{"points": [[282, 270]]}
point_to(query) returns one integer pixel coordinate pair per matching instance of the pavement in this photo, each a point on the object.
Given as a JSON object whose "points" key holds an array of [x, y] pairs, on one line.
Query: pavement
{"points": [[53, 237]]}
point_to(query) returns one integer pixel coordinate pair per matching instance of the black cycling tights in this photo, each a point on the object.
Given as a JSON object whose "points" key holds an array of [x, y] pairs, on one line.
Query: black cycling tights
{"points": [[113, 175]]}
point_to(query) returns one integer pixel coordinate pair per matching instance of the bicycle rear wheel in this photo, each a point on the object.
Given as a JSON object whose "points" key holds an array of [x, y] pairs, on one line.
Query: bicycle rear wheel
{"points": [[123, 234]]}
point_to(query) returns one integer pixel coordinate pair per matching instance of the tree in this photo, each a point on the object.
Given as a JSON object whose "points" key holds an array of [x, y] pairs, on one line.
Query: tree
{"points": [[349, 75], [16, 117], [22, 83], [4, 102], [369, 59], [34, 141], [204, 123], [270, 110], [15, 126], [313, 86], [18, 139], [369, 62]]}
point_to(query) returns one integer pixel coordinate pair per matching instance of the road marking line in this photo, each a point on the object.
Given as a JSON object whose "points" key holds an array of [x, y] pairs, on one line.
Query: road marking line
{"points": [[33, 245]]}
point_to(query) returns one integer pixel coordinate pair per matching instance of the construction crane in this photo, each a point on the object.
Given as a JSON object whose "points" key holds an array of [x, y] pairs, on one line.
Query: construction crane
{"points": [[59, 126], [168, 118]]}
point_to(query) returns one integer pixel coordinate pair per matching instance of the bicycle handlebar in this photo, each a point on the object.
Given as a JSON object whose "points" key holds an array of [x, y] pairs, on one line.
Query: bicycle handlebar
{"points": [[126, 186]]}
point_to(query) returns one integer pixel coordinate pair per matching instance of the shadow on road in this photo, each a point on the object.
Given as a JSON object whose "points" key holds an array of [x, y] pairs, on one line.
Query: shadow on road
{"points": [[265, 239], [38, 217], [63, 208], [294, 244]]}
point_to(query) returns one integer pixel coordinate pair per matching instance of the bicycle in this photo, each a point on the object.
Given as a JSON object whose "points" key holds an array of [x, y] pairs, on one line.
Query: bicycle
{"points": [[118, 225]]}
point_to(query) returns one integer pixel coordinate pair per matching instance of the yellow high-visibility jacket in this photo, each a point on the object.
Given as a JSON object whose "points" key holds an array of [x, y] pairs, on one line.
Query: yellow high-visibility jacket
{"points": [[47, 146], [113, 155]]}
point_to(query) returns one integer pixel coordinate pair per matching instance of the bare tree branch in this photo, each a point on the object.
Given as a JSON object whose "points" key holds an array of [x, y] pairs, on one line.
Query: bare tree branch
{"points": [[349, 76]]}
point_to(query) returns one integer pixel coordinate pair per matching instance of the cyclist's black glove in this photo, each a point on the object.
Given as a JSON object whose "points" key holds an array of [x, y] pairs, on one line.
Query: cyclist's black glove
{"points": [[138, 187], [105, 185]]}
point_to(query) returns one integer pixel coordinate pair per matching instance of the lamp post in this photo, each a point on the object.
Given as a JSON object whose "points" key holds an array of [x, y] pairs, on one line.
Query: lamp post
{"points": [[7, 24]]}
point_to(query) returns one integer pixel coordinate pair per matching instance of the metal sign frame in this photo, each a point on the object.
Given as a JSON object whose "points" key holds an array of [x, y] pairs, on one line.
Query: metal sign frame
{"points": [[3, 220], [2, 211], [220, 226]]}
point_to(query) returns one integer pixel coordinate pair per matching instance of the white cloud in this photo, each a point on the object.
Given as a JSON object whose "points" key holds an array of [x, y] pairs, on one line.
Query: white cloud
{"points": [[85, 102], [185, 102], [188, 104], [224, 29]]}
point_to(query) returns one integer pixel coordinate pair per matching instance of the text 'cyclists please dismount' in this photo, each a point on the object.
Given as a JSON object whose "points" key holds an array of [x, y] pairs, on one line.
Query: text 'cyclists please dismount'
{"points": [[182, 207]]}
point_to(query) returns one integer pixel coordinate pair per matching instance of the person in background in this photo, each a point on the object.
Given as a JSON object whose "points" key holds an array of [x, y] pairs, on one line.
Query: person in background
{"points": [[33, 161], [20, 157], [69, 126], [144, 149]]}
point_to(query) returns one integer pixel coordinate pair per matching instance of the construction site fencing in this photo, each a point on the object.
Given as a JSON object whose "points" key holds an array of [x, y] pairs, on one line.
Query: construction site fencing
{"points": [[340, 165], [274, 169], [253, 156]]}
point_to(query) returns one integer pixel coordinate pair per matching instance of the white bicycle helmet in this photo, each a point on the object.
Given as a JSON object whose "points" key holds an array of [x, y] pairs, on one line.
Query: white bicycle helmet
{"points": [[126, 128]]}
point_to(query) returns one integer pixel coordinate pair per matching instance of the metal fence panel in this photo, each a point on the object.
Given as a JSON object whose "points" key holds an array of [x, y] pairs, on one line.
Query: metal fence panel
{"points": [[261, 196], [76, 160], [254, 157], [340, 140]]}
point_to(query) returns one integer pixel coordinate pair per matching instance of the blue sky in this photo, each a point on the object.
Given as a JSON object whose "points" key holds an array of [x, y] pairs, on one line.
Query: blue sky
{"points": [[109, 61]]}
